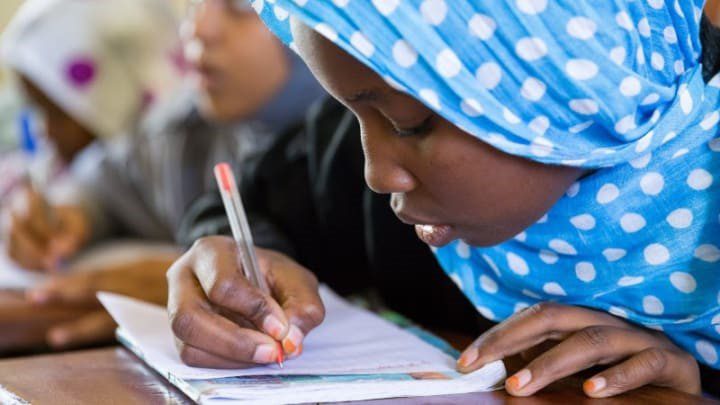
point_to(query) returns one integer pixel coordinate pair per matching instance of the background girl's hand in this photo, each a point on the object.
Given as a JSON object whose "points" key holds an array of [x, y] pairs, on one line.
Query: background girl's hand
{"points": [[143, 279], [40, 236], [221, 321], [582, 338]]}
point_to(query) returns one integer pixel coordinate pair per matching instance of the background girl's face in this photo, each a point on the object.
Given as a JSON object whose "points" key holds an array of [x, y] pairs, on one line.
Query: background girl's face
{"points": [[238, 62], [68, 136], [443, 180]]}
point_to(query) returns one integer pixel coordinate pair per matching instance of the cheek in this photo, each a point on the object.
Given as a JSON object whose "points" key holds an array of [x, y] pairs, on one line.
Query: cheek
{"points": [[494, 196]]}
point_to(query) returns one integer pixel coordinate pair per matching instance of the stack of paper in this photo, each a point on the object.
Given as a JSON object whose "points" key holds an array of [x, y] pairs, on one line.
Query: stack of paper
{"points": [[353, 355]]}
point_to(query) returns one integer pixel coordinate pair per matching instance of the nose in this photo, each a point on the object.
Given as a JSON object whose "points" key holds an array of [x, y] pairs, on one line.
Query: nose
{"points": [[385, 172], [208, 22]]}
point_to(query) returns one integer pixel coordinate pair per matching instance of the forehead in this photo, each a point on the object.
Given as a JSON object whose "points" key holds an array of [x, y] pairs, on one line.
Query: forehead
{"points": [[340, 73]]}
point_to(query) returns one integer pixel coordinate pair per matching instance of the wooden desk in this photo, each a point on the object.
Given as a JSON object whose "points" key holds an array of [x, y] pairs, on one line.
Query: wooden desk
{"points": [[116, 376]]}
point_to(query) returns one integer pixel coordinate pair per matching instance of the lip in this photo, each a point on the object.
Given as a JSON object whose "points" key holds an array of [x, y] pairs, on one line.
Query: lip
{"points": [[432, 233], [413, 220], [209, 76], [435, 235]]}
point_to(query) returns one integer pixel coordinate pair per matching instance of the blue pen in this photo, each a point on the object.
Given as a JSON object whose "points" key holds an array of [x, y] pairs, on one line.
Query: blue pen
{"points": [[36, 176]]}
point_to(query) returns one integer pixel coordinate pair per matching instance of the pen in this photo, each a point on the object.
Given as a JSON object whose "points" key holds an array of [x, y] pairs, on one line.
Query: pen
{"points": [[37, 171], [241, 231]]}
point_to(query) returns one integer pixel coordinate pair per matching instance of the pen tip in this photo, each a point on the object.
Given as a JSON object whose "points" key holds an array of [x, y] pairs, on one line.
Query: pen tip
{"points": [[280, 356]]}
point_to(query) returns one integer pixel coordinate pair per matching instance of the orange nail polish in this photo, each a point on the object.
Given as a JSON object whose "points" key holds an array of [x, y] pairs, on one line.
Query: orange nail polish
{"points": [[594, 385], [519, 380], [513, 383], [293, 340], [288, 346]]}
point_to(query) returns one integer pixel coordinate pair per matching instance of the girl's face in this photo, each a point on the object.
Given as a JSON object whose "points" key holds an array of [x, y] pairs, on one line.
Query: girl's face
{"points": [[67, 135], [239, 64], [443, 180]]}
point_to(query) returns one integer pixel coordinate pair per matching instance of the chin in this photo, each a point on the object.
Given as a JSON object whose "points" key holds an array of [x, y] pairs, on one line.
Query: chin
{"points": [[222, 112], [212, 111], [486, 238]]}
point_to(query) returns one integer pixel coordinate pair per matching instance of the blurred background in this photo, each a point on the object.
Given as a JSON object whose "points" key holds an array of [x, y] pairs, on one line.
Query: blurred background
{"points": [[9, 101]]}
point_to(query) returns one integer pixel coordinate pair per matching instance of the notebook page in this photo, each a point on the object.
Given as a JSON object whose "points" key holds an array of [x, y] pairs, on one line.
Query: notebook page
{"points": [[12, 277], [350, 341]]}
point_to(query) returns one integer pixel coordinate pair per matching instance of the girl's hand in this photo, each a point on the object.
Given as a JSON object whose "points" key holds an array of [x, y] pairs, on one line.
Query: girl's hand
{"points": [[143, 279], [221, 321], [576, 339], [39, 236]]}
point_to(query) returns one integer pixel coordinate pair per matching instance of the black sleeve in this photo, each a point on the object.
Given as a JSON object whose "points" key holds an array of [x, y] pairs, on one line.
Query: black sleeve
{"points": [[273, 187], [207, 217]]}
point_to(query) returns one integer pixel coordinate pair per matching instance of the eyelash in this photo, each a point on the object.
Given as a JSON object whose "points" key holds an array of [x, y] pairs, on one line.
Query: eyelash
{"points": [[422, 129]]}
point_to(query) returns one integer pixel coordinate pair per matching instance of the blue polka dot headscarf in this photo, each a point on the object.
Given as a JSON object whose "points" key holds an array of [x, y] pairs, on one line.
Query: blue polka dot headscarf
{"points": [[617, 89]]}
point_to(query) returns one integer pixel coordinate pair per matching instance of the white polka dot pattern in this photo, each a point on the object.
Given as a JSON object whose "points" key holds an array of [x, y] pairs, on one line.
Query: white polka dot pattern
{"points": [[616, 88]]}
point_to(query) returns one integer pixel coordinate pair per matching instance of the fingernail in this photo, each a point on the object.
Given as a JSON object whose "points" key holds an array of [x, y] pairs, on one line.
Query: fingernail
{"points": [[519, 380], [38, 297], [595, 384], [58, 338], [468, 358], [293, 340], [265, 354], [273, 327]]}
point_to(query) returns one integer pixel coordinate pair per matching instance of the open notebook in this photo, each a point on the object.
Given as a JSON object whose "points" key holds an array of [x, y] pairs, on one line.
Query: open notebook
{"points": [[353, 355]]}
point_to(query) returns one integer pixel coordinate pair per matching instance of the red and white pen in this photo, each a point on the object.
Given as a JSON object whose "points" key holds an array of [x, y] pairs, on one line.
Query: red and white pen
{"points": [[241, 231]]}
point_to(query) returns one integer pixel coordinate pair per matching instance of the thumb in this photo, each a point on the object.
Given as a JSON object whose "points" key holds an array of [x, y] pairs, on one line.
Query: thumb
{"points": [[73, 289], [71, 233], [95, 327]]}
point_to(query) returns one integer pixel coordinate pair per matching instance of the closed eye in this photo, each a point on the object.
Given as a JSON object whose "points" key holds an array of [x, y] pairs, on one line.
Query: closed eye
{"points": [[419, 130]]}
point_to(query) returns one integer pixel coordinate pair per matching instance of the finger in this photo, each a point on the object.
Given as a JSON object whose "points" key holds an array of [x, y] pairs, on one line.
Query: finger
{"points": [[70, 235], [534, 352], [663, 367], [296, 290], [584, 349], [194, 323], [220, 275], [25, 249], [97, 327], [234, 317], [526, 329], [192, 356], [77, 289], [39, 215]]}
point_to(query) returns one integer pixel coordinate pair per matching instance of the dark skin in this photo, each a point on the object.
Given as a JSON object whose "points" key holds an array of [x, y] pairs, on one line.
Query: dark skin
{"points": [[40, 236], [462, 188], [436, 171], [424, 162], [68, 136]]}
